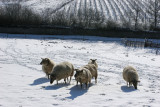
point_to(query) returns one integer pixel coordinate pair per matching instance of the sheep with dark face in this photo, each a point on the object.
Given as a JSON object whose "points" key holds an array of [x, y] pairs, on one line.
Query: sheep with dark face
{"points": [[47, 66], [62, 71], [93, 61], [130, 75], [83, 76]]}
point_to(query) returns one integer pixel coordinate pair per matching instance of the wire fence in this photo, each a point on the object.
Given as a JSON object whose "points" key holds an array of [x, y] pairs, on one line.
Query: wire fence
{"points": [[146, 43]]}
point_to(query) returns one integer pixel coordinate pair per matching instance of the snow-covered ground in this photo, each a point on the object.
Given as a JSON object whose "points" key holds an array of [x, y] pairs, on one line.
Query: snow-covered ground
{"points": [[23, 84]]}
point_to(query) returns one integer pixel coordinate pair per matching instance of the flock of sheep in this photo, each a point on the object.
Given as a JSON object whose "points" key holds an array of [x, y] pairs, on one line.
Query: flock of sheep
{"points": [[84, 74]]}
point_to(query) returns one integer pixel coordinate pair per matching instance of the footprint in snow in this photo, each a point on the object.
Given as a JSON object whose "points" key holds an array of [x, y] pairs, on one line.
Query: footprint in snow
{"points": [[55, 104], [151, 100], [63, 99], [129, 102], [153, 59], [109, 99], [54, 95], [102, 94]]}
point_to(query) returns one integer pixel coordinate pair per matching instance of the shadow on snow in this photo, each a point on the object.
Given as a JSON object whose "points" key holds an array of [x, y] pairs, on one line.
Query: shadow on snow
{"points": [[127, 89], [55, 86], [76, 91], [40, 81]]}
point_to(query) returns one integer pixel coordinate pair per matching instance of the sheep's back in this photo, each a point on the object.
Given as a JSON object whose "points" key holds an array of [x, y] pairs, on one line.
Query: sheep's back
{"points": [[86, 77], [92, 68], [47, 69], [63, 70], [129, 74]]}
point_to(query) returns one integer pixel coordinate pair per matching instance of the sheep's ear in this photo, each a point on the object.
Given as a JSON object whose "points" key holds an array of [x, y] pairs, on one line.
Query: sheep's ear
{"points": [[138, 81], [95, 59], [91, 59], [42, 58], [81, 70], [75, 69]]}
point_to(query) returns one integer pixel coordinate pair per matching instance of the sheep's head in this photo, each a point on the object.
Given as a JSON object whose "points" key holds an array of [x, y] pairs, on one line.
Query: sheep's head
{"points": [[52, 78], [78, 74], [93, 61], [135, 82], [45, 61]]}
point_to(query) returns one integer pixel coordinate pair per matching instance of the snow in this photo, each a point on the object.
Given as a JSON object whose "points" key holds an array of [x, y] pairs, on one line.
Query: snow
{"points": [[41, 5], [112, 9], [23, 83]]}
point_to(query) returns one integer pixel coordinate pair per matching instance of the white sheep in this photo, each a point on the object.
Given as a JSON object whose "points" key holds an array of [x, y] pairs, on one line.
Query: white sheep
{"points": [[83, 76], [47, 66], [93, 61], [62, 71], [130, 75], [93, 69]]}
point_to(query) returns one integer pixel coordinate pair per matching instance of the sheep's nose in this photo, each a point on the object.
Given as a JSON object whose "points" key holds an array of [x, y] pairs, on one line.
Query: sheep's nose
{"points": [[51, 82]]}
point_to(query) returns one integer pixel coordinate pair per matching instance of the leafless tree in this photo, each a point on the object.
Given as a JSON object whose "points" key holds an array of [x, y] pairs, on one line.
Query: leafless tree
{"points": [[154, 11], [137, 10], [46, 16]]}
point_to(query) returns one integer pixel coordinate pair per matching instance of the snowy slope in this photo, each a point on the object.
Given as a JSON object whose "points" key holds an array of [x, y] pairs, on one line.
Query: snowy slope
{"points": [[23, 83], [41, 5], [112, 9]]}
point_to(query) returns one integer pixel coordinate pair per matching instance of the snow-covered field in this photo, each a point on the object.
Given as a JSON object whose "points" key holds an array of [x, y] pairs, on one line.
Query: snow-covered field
{"points": [[23, 84], [111, 9]]}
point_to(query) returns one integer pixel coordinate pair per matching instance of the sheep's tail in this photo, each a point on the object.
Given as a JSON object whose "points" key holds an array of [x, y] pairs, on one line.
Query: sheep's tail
{"points": [[72, 71]]}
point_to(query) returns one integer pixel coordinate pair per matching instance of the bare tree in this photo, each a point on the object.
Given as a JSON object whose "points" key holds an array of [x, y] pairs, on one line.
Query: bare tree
{"points": [[127, 22], [137, 10], [46, 16], [154, 11], [59, 18]]}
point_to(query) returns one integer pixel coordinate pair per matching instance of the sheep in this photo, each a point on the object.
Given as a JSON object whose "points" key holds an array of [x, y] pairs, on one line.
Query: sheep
{"points": [[47, 66], [83, 76], [93, 61], [93, 69], [62, 71], [130, 75]]}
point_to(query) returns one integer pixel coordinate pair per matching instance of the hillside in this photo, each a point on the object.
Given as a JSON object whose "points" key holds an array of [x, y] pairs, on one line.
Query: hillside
{"points": [[126, 15], [111, 9]]}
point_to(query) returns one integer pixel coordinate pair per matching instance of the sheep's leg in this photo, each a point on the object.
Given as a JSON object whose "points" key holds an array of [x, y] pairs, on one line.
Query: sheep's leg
{"points": [[86, 85], [77, 82], [130, 84], [70, 79], [48, 76], [95, 79], [127, 84], [81, 85], [57, 82], [89, 83], [65, 80]]}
